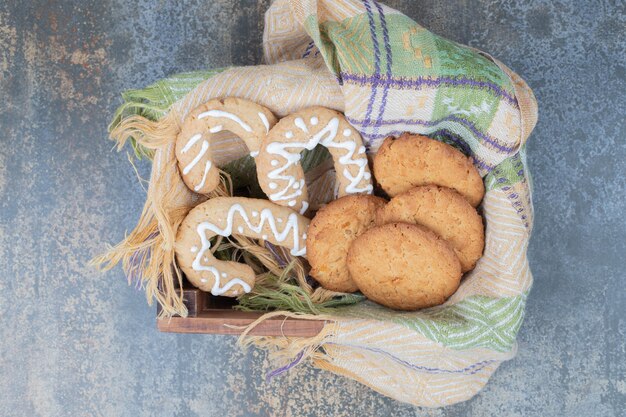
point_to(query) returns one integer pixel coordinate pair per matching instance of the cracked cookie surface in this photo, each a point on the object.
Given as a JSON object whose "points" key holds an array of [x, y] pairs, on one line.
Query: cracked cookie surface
{"points": [[404, 266], [445, 212], [413, 160], [332, 231]]}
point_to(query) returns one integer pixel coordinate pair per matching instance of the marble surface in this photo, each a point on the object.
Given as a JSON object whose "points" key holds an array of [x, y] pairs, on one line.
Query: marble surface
{"points": [[74, 342]]}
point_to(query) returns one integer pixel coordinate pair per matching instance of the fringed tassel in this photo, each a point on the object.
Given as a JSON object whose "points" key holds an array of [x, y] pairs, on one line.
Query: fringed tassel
{"points": [[288, 352], [136, 116], [147, 253], [146, 133]]}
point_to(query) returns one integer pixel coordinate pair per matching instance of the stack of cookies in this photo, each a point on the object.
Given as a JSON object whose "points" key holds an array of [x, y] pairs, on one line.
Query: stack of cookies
{"points": [[406, 253], [410, 252]]}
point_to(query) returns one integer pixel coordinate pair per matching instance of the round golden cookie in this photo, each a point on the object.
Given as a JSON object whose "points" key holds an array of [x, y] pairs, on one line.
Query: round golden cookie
{"points": [[445, 212], [404, 266], [332, 231], [413, 160]]}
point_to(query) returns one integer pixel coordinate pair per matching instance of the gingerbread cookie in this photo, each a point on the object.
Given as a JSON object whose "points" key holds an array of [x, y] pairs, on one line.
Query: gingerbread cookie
{"points": [[224, 216], [445, 212], [413, 160], [278, 168], [404, 266], [248, 120], [332, 231]]}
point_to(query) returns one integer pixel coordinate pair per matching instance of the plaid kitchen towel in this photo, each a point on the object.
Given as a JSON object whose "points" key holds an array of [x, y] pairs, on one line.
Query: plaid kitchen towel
{"points": [[388, 75]]}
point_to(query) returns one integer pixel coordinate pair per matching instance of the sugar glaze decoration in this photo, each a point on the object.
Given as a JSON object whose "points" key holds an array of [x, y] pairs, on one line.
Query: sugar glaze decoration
{"points": [[278, 165], [224, 216], [248, 120]]}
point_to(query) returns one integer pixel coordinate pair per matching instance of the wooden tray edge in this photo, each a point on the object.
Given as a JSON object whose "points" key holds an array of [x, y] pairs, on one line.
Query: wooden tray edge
{"points": [[234, 322], [215, 315]]}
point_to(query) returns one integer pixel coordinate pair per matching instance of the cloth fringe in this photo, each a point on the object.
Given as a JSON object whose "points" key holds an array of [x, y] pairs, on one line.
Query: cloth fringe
{"points": [[285, 350], [147, 253]]}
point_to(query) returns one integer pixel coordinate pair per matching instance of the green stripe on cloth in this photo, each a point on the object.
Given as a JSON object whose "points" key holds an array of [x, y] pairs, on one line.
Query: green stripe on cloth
{"points": [[393, 58], [474, 322], [347, 47], [508, 172]]}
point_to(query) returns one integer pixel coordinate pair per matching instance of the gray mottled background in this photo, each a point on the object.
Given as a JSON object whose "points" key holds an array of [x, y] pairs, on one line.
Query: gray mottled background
{"points": [[74, 342]]}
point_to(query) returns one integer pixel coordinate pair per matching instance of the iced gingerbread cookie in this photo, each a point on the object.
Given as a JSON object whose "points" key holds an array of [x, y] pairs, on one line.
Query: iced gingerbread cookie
{"points": [[278, 167], [224, 216], [413, 160], [404, 266], [332, 231], [248, 120], [445, 212]]}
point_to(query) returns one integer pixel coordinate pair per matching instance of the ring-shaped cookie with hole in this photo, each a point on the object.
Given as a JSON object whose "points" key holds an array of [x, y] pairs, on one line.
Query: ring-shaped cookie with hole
{"points": [[224, 216], [278, 168], [248, 120]]}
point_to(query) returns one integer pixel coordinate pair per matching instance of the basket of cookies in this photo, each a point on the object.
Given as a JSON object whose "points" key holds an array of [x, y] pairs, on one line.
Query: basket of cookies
{"points": [[361, 203]]}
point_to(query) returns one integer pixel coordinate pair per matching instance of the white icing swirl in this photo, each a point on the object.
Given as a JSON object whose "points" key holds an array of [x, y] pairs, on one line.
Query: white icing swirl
{"points": [[325, 137], [226, 115], [290, 230], [266, 122], [300, 123], [192, 141], [189, 167], [207, 167]]}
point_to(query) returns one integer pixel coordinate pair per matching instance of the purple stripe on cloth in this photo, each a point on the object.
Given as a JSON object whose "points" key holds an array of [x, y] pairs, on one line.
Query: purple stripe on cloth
{"points": [[404, 83], [490, 140], [136, 260], [308, 50], [465, 148], [383, 23], [285, 368], [495, 143], [471, 370], [370, 17], [281, 262]]}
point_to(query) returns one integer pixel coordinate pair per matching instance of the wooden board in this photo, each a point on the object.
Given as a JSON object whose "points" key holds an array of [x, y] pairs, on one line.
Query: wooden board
{"points": [[214, 315]]}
